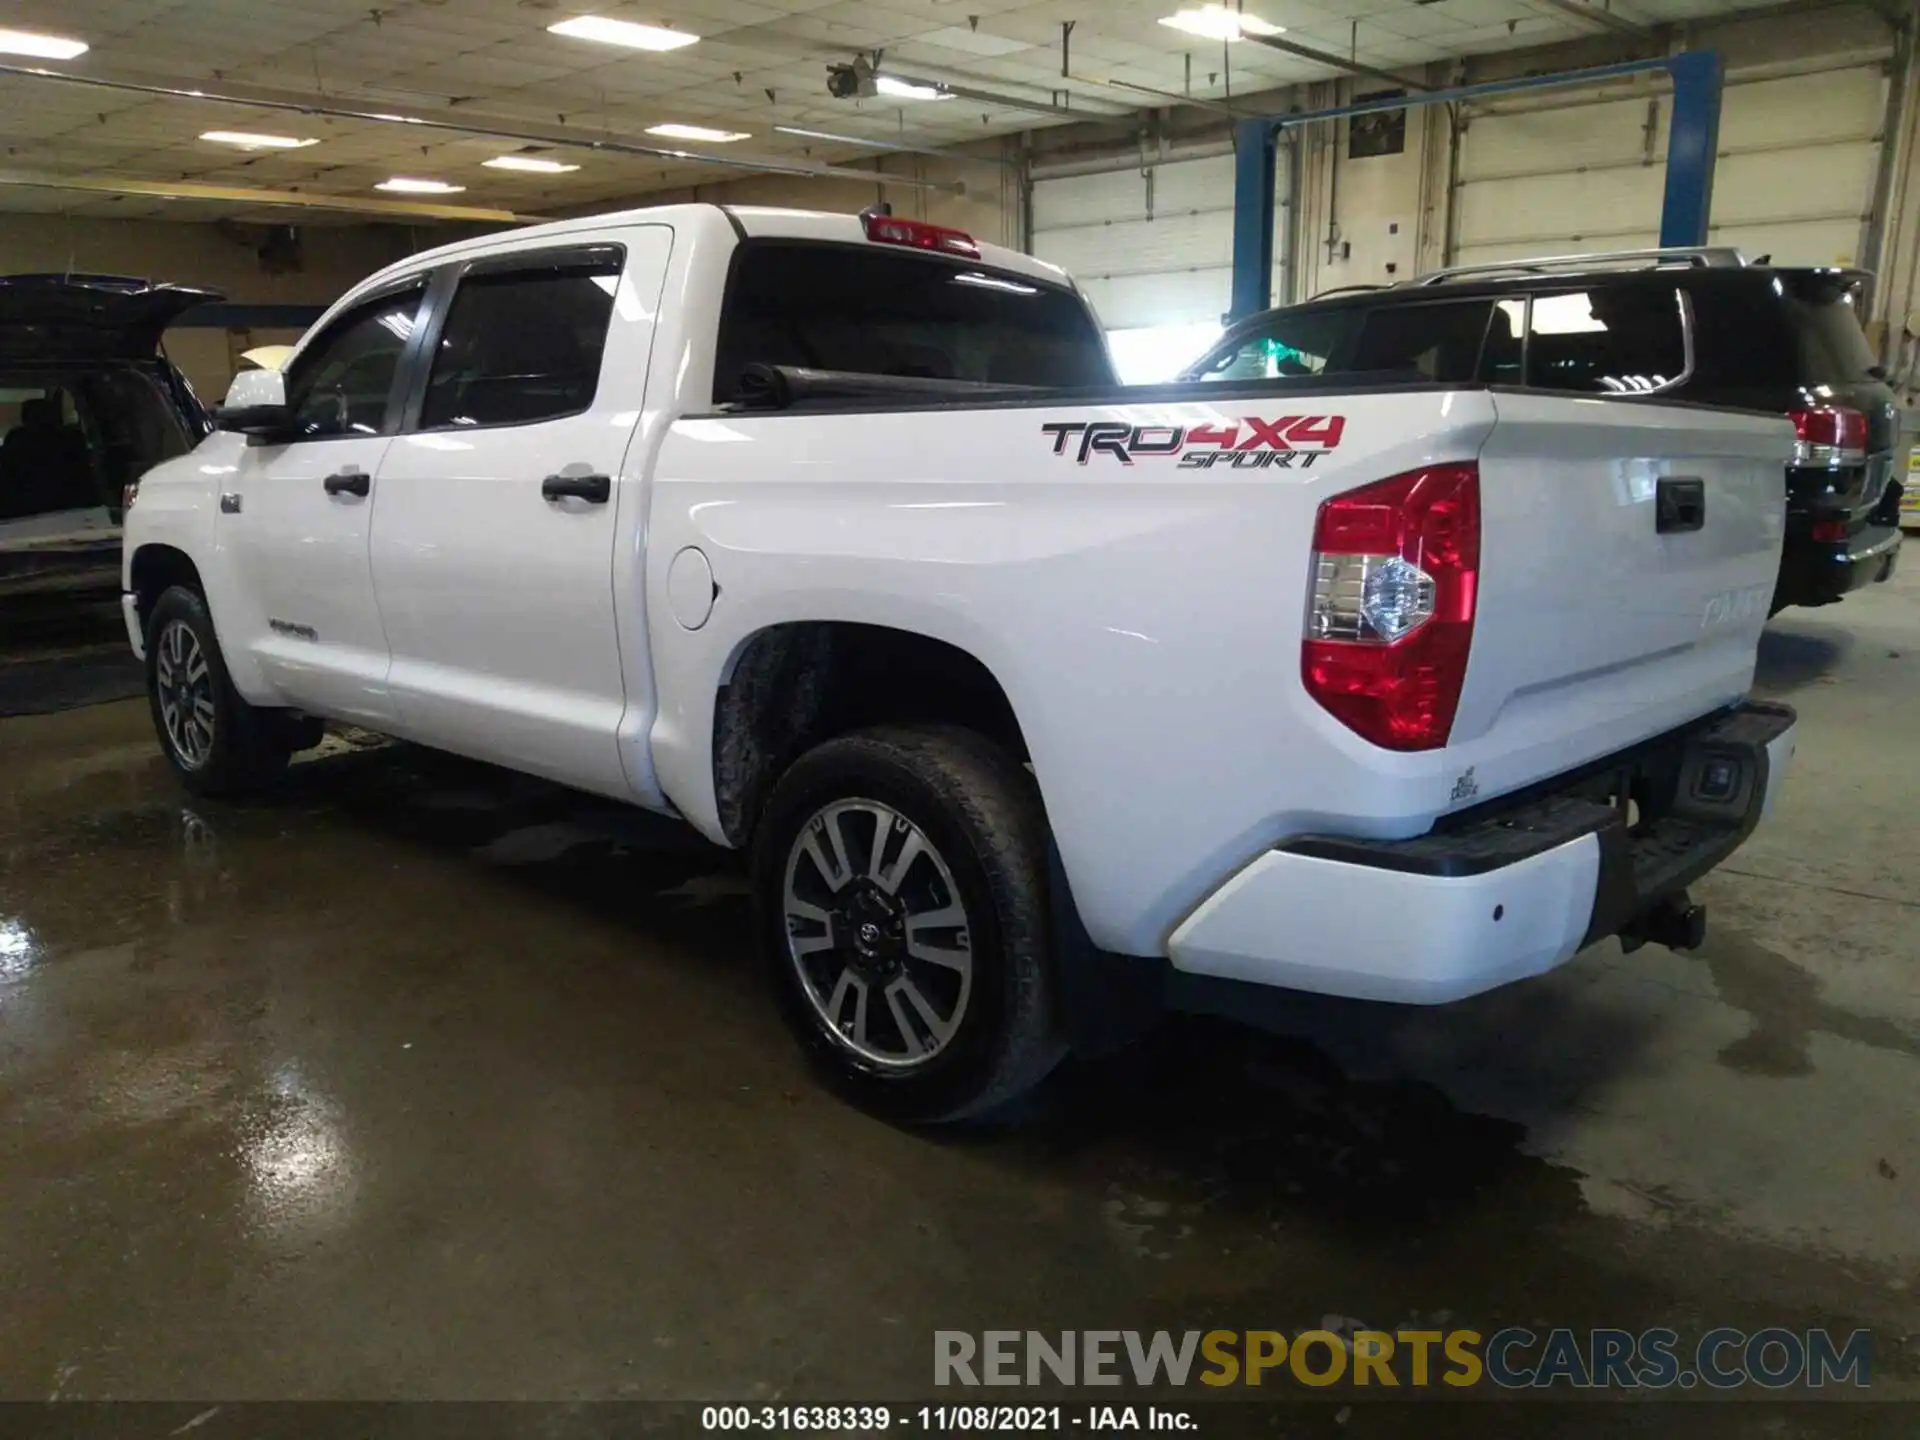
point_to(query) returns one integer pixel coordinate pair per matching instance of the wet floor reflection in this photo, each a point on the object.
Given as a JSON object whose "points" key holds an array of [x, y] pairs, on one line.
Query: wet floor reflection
{"points": [[457, 1084]]}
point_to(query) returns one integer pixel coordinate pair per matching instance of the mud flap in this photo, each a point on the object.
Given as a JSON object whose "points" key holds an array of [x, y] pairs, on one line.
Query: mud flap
{"points": [[1106, 1001]]}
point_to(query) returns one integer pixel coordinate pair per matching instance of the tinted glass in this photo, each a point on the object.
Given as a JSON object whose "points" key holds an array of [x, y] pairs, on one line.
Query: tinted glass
{"points": [[340, 384], [1829, 342], [875, 310], [134, 427], [45, 462], [1502, 356], [1766, 340], [1621, 340], [1439, 341], [1283, 344], [522, 346]]}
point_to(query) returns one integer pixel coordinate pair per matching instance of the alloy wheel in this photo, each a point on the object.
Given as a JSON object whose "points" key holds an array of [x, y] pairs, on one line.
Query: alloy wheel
{"points": [[877, 933], [183, 683]]}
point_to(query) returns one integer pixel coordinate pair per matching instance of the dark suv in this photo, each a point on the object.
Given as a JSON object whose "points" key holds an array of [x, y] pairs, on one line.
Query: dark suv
{"points": [[1704, 326], [88, 402]]}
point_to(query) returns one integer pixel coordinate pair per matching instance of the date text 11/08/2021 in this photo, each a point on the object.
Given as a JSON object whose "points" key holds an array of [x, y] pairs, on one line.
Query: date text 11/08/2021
{"points": [[942, 1419]]}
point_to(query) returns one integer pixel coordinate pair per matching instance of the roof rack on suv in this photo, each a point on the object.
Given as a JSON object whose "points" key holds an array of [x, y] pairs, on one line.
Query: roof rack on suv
{"points": [[1704, 256]]}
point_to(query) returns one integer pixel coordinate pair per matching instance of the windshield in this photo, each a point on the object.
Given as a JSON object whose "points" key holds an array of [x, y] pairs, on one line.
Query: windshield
{"points": [[880, 311]]}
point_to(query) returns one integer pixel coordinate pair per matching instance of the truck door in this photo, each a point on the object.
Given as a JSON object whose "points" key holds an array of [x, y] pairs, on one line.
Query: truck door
{"points": [[493, 543], [296, 517]]}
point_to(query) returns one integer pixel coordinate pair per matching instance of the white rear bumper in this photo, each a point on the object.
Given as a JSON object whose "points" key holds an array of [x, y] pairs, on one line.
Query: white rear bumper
{"points": [[1334, 927], [1304, 923]]}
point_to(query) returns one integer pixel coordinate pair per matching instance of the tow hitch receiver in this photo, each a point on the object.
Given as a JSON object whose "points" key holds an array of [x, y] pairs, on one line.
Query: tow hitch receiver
{"points": [[1673, 921]]}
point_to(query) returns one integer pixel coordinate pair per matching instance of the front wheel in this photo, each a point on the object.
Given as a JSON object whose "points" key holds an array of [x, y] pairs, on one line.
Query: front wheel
{"points": [[216, 742], [900, 878]]}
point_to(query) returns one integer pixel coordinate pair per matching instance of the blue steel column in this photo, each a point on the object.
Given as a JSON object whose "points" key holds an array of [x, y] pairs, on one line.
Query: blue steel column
{"points": [[1693, 138], [1253, 205]]}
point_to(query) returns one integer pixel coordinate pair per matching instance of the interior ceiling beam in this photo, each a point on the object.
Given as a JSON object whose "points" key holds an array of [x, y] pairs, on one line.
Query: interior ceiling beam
{"points": [[248, 195], [1174, 97], [960, 89], [520, 133], [1337, 62], [1596, 16]]}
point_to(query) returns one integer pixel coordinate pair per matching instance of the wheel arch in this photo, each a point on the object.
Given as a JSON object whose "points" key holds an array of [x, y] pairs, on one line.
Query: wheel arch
{"points": [[789, 686], [156, 567]]}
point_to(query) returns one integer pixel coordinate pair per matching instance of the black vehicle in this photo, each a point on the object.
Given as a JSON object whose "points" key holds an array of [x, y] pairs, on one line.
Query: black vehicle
{"points": [[1704, 326], [88, 403]]}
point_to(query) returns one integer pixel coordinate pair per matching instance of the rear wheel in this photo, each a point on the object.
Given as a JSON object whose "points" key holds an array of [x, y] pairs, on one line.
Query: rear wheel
{"points": [[216, 742], [900, 876]]}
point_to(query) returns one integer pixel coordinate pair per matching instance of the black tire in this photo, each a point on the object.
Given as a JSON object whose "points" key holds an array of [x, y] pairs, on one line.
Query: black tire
{"points": [[979, 811], [248, 747]]}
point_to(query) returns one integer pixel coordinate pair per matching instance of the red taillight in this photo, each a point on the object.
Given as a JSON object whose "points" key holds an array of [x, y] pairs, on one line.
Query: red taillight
{"points": [[920, 235], [1829, 435], [1396, 566], [1828, 531]]}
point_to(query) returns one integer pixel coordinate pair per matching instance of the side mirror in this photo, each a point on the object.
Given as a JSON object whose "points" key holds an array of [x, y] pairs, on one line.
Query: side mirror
{"points": [[256, 404]]}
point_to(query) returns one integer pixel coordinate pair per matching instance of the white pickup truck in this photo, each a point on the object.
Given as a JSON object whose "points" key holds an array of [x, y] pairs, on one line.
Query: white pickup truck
{"points": [[833, 537]]}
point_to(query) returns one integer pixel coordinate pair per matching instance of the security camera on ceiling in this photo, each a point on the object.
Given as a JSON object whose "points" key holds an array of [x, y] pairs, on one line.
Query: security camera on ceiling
{"points": [[851, 82]]}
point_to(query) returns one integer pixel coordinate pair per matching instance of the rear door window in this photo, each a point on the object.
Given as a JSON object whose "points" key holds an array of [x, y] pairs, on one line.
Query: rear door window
{"points": [[874, 310], [1439, 341], [1503, 357], [523, 344], [1616, 340]]}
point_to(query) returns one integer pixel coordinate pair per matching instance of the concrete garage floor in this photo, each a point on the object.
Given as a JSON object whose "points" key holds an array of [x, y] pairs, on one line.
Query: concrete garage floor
{"points": [[421, 1082]]}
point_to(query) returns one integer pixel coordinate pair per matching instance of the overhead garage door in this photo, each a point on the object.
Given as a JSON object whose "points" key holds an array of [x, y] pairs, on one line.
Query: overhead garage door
{"points": [[1794, 178], [1153, 249]]}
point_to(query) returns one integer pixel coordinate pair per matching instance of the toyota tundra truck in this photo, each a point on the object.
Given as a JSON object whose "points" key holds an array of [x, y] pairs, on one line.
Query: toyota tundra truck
{"points": [[834, 537]]}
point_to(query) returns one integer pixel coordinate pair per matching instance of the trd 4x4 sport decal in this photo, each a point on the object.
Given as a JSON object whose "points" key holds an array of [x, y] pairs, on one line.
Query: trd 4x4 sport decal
{"points": [[1246, 445]]}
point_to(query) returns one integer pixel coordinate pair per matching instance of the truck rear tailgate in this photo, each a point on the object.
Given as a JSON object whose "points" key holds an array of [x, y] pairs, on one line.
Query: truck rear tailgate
{"points": [[1628, 553]]}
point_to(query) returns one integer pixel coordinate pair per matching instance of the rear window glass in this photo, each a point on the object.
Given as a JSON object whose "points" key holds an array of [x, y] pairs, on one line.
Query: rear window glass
{"points": [[1620, 340], [1765, 333], [1831, 346], [1439, 341], [876, 311]]}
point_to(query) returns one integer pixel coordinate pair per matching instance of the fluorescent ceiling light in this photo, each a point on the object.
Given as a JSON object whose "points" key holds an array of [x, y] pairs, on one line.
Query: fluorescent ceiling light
{"points": [[907, 90], [419, 187], [532, 164], [677, 131], [246, 141], [836, 138], [608, 31], [1217, 22], [45, 47]]}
